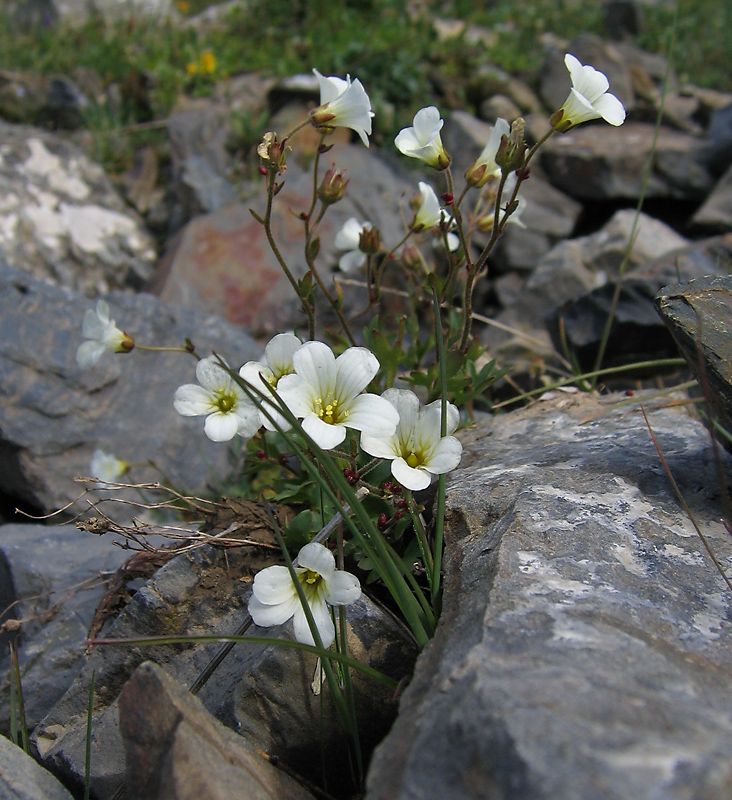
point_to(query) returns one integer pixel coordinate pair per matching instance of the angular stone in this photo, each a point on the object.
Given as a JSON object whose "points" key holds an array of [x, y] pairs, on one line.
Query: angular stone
{"points": [[599, 162], [175, 749], [715, 213], [584, 627], [53, 415], [263, 690], [22, 779], [62, 221], [57, 575], [699, 316]]}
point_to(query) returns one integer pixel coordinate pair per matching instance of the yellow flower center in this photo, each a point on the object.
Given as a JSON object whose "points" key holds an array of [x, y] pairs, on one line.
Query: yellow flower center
{"points": [[413, 460], [311, 577], [225, 402], [329, 411]]}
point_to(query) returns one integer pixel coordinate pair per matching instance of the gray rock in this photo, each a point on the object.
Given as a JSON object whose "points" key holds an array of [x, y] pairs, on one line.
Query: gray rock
{"points": [[198, 132], [22, 779], [65, 105], [59, 575], [584, 627], [222, 262], [699, 315], [715, 213], [46, 12], [62, 221], [263, 691], [176, 749], [623, 19], [716, 153], [599, 162], [54, 415]]}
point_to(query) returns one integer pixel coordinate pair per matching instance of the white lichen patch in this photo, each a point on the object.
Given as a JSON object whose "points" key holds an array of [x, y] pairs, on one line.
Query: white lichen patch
{"points": [[712, 619], [629, 560], [90, 228], [547, 578], [43, 163], [679, 554]]}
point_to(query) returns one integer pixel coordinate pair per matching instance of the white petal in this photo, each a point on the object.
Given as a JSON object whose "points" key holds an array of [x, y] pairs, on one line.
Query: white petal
{"points": [[453, 415], [330, 88], [279, 353], [373, 414], [348, 236], [89, 353], [220, 427], [380, 446], [355, 368], [610, 109], [428, 215], [427, 124], [210, 375], [267, 615], [191, 400], [323, 623], [414, 479], [297, 395], [93, 326], [445, 457], [274, 585], [315, 363], [317, 558], [253, 371], [342, 588], [353, 260], [249, 420], [324, 434], [406, 141]]}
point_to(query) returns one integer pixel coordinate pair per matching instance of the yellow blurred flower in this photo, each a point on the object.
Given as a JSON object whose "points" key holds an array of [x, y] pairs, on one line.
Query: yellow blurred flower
{"points": [[207, 62], [182, 6]]}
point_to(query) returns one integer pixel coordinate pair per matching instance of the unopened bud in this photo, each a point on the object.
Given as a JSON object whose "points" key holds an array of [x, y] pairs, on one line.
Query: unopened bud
{"points": [[485, 224], [273, 153], [333, 187], [411, 257], [369, 241], [512, 150]]}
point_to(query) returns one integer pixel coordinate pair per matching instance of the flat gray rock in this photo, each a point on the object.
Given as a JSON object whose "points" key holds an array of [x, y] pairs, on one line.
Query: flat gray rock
{"points": [[585, 646], [59, 575], [53, 415], [22, 779]]}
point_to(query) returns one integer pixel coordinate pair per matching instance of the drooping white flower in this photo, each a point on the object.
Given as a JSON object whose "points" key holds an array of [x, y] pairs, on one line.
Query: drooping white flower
{"points": [[103, 335], [326, 393], [484, 167], [107, 467], [276, 363], [423, 140], [416, 449], [343, 104], [588, 98], [225, 404], [348, 238], [429, 213], [274, 596]]}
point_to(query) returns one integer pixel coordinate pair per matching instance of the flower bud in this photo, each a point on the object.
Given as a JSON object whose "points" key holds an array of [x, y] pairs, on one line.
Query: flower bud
{"points": [[369, 241], [333, 187], [512, 150], [411, 257], [273, 153], [126, 343]]}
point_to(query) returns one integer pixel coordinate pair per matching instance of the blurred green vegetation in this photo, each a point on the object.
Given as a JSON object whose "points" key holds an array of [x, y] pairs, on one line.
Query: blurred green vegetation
{"points": [[391, 45]]}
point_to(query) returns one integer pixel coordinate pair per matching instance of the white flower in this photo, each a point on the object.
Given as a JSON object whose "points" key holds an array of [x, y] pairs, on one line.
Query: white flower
{"points": [[484, 167], [277, 362], [588, 98], [325, 392], [349, 238], [107, 467], [274, 597], [343, 105], [103, 335], [423, 140], [229, 411], [417, 450], [429, 213]]}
